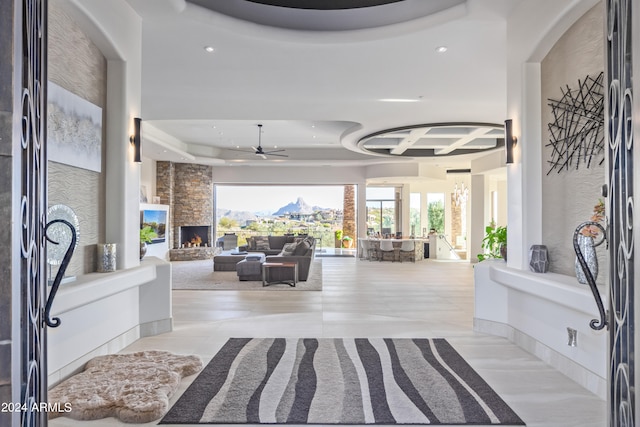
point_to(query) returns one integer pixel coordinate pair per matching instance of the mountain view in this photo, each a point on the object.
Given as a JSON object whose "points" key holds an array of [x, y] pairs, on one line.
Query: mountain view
{"points": [[299, 206]]}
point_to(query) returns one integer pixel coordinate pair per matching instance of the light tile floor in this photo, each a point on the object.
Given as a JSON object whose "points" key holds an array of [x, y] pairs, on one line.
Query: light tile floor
{"points": [[372, 299]]}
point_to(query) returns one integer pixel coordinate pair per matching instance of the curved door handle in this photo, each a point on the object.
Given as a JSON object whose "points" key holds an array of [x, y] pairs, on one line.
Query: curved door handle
{"points": [[55, 322], [595, 324]]}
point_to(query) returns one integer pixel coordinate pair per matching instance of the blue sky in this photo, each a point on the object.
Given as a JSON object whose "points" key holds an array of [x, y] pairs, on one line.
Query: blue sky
{"points": [[257, 198], [155, 216]]}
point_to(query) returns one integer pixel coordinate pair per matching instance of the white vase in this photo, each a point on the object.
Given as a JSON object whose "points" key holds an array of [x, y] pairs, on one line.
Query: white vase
{"points": [[589, 253]]}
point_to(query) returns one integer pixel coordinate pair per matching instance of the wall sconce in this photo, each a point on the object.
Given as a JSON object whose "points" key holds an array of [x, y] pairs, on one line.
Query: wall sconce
{"points": [[510, 141], [135, 140]]}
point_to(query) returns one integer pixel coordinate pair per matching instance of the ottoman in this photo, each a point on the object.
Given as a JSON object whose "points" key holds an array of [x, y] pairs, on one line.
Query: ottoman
{"points": [[250, 268], [226, 261]]}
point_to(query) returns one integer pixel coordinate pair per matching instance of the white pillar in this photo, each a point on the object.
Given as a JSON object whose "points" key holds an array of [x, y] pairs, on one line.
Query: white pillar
{"points": [[122, 210], [478, 218], [525, 174]]}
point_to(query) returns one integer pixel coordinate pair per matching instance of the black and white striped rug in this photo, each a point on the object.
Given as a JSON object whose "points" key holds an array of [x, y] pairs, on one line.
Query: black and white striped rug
{"points": [[339, 381]]}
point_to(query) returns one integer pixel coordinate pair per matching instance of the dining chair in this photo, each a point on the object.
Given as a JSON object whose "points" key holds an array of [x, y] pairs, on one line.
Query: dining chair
{"points": [[386, 248], [408, 250], [367, 250]]}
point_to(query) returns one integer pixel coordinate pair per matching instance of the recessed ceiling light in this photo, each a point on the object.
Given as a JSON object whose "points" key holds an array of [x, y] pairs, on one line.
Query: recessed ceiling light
{"points": [[209, 49], [398, 100], [441, 49]]}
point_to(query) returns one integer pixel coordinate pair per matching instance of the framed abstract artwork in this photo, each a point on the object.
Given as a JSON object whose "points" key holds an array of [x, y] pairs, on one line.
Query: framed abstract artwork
{"points": [[74, 129]]}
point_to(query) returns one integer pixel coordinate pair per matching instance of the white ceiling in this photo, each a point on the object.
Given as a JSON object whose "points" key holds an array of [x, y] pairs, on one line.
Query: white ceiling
{"points": [[317, 93]]}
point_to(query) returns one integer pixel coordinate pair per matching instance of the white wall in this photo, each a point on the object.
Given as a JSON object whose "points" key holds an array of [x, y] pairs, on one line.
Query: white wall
{"points": [[148, 177], [532, 29], [575, 191], [116, 30], [534, 309]]}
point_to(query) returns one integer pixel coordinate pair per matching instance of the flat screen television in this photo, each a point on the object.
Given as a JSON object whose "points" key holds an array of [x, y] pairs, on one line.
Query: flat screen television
{"points": [[157, 220]]}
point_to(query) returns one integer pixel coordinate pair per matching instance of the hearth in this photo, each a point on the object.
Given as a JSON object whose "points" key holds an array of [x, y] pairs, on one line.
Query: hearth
{"points": [[194, 236]]}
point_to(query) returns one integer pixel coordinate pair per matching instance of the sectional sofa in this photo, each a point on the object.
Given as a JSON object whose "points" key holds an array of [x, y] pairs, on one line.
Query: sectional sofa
{"points": [[300, 249]]}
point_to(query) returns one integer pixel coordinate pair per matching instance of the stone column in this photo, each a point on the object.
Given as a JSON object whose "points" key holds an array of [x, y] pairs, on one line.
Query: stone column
{"points": [[349, 214], [193, 197]]}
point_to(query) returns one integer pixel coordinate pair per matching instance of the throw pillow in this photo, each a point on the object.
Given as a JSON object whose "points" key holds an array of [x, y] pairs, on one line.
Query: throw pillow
{"points": [[301, 248], [288, 249], [251, 241], [262, 243]]}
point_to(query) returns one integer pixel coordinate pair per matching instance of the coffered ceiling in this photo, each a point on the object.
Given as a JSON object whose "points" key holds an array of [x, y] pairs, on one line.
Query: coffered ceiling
{"points": [[355, 95]]}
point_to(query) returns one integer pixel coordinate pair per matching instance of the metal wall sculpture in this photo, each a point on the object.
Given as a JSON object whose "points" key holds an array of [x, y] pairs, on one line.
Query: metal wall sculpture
{"points": [[576, 132], [33, 173], [620, 170]]}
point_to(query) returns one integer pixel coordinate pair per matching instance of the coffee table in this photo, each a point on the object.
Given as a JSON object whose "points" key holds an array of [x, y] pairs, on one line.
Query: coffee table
{"points": [[269, 265]]}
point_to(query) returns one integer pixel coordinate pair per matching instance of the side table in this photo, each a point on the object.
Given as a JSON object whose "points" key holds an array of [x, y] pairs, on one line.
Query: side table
{"points": [[268, 265]]}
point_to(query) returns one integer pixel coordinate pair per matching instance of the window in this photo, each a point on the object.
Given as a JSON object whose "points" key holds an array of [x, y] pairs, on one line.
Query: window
{"points": [[381, 210], [414, 213], [251, 210], [435, 211]]}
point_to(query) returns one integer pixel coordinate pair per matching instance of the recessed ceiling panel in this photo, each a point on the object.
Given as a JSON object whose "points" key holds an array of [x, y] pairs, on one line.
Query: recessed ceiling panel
{"points": [[324, 4], [330, 15], [435, 140]]}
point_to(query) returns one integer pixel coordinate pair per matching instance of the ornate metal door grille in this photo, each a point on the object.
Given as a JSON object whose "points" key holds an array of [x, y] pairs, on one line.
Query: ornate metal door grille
{"points": [[621, 205], [33, 365]]}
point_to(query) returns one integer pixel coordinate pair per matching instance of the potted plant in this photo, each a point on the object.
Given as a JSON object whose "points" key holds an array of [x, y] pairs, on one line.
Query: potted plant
{"points": [[347, 242], [338, 236], [147, 234], [494, 243]]}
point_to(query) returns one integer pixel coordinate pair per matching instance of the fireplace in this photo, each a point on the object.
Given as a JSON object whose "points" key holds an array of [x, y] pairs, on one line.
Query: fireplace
{"points": [[194, 236]]}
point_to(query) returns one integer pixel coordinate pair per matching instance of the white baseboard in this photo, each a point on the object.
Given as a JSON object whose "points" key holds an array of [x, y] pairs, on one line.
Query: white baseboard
{"points": [[578, 373]]}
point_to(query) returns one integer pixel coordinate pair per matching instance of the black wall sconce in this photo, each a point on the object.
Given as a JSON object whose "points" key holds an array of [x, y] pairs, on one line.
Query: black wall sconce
{"points": [[135, 140], [510, 141]]}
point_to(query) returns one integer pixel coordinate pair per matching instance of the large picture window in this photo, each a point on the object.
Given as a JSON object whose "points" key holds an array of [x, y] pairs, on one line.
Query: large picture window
{"points": [[252, 210]]}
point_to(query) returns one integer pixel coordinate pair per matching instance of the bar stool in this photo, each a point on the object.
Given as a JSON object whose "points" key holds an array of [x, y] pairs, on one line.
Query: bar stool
{"points": [[386, 246], [365, 249], [408, 250]]}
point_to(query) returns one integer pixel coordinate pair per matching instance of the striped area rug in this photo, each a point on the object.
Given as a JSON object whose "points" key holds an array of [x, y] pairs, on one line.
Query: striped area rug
{"points": [[339, 381]]}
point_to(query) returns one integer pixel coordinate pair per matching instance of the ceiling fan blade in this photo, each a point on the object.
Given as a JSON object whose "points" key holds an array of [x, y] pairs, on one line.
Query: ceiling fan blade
{"points": [[278, 155], [242, 151], [273, 151], [263, 156], [256, 149]]}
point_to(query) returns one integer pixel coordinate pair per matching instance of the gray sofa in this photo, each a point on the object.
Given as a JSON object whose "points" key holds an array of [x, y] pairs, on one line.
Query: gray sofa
{"points": [[285, 249], [269, 245]]}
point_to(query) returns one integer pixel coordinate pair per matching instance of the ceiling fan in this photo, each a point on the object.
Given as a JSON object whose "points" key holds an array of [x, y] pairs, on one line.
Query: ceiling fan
{"points": [[258, 151]]}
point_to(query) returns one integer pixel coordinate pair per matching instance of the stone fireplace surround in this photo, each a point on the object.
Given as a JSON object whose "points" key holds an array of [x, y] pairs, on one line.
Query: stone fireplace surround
{"points": [[188, 190]]}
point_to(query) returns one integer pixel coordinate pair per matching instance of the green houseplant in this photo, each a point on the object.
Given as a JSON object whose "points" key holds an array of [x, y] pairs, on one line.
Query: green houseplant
{"points": [[494, 242], [347, 242], [147, 234], [338, 238]]}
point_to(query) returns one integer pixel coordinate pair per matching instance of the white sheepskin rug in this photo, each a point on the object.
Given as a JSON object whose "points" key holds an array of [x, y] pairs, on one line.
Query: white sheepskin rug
{"points": [[132, 387]]}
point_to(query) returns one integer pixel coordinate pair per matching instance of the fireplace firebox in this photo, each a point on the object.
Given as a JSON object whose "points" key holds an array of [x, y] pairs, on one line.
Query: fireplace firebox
{"points": [[195, 236]]}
